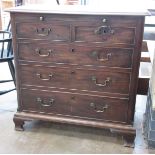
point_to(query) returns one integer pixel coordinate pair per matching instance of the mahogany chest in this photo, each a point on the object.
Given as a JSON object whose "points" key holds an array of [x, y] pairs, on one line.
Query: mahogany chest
{"points": [[77, 67]]}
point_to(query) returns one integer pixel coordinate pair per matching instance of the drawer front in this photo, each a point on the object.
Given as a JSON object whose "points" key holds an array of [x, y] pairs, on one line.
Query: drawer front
{"points": [[74, 28], [99, 108], [58, 32], [105, 34], [44, 102], [52, 53], [85, 106], [81, 79], [119, 21]]}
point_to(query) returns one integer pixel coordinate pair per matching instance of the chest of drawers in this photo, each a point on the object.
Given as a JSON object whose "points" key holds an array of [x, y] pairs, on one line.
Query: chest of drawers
{"points": [[77, 68]]}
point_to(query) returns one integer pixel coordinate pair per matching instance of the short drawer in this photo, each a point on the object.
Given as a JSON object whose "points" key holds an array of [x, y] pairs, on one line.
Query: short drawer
{"points": [[105, 33], [74, 78], [44, 102], [74, 105], [66, 54], [74, 28], [58, 32]]}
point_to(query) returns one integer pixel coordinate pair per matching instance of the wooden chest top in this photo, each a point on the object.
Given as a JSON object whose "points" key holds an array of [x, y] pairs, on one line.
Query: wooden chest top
{"points": [[125, 9]]}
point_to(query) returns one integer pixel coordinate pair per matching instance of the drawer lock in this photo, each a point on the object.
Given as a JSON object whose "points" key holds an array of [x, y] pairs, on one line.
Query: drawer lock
{"points": [[104, 30]]}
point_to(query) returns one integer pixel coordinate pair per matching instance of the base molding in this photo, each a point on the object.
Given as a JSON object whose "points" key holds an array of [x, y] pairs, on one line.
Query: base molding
{"points": [[127, 131]]}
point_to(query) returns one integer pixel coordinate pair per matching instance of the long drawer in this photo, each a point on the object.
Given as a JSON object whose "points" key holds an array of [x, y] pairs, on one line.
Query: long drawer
{"points": [[72, 54], [76, 78], [90, 107]]}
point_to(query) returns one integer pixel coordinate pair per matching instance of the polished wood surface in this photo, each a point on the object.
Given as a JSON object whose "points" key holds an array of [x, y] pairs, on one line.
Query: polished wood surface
{"points": [[81, 67], [66, 54], [74, 78], [74, 105]]}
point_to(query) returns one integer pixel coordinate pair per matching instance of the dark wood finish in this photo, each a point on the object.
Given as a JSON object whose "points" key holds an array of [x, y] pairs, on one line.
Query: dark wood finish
{"points": [[145, 59], [58, 32], [46, 102], [115, 21], [67, 77], [99, 108], [129, 140], [62, 53], [143, 86], [75, 105], [78, 68], [114, 127], [85, 33], [19, 122]]}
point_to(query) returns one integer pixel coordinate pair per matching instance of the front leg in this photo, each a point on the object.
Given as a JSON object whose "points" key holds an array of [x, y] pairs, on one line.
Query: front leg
{"points": [[18, 123], [129, 140], [128, 135]]}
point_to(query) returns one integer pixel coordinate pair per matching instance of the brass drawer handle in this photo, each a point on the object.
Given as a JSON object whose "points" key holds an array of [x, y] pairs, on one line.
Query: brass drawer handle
{"points": [[104, 30], [104, 59], [99, 110], [43, 55], [43, 32], [45, 79], [105, 83], [108, 56], [45, 103]]}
